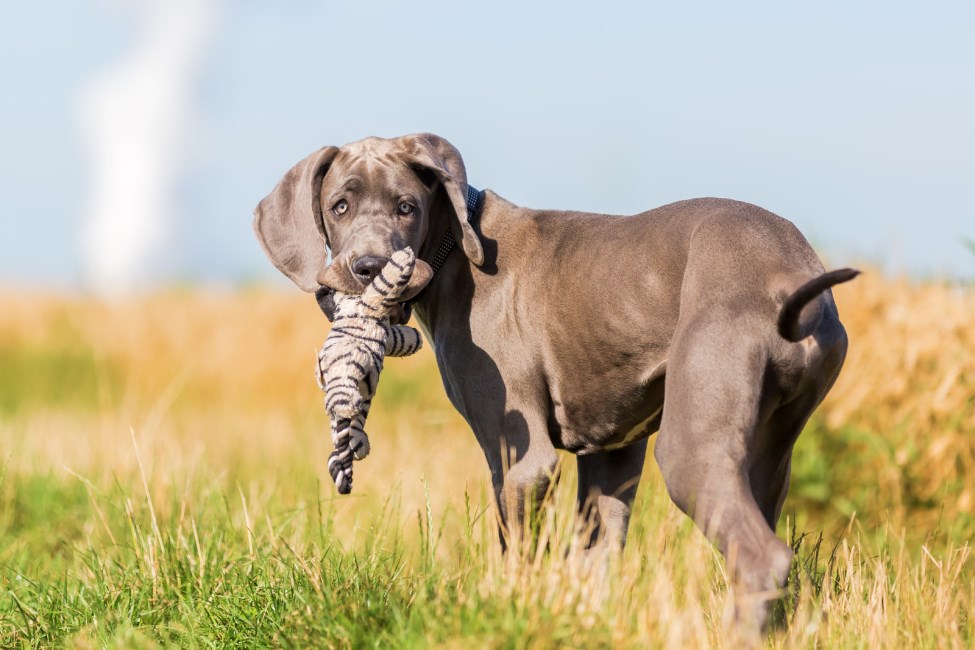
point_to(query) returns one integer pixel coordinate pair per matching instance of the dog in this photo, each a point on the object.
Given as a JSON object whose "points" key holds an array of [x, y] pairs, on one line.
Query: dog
{"points": [[708, 321]]}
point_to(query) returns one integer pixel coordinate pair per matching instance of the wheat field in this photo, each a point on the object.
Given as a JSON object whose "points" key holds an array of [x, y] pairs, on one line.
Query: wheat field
{"points": [[163, 484]]}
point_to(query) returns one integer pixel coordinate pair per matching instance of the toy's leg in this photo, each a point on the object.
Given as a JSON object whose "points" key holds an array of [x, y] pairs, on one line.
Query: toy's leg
{"points": [[402, 341], [358, 440]]}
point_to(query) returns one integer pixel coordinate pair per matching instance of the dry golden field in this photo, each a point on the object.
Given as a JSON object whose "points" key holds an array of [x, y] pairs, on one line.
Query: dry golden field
{"points": [[163, 484]]}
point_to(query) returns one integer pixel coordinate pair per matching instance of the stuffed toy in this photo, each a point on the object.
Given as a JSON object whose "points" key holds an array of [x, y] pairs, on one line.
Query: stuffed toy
{"points": [[351, 360]]}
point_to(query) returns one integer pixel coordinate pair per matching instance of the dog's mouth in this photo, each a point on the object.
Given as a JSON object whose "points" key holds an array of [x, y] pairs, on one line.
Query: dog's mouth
{"points": [[338, 277], [399, 314], [326, 302]]}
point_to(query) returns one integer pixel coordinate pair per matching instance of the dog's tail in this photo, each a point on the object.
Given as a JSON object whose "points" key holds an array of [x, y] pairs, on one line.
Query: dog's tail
{"points": [[796, 322]]}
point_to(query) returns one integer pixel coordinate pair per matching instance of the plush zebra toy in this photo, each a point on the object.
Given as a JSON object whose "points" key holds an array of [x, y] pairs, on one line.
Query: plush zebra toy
{"points": [[351, 360]]}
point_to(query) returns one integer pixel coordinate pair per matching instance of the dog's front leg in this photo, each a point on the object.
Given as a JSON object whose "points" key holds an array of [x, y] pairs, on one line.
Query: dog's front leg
{"points": [[524, 467]]}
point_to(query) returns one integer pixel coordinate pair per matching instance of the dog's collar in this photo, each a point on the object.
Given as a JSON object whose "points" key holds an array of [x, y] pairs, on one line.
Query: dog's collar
{"points": [[475, 200]]}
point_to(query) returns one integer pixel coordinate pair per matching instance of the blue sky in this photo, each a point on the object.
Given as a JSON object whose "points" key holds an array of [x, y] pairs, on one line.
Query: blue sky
{"points": [[854, 120]]}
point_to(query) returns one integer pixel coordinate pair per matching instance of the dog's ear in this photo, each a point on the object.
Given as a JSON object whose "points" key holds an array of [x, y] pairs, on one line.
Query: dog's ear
{"points": [[288, 221], [433, 153]]}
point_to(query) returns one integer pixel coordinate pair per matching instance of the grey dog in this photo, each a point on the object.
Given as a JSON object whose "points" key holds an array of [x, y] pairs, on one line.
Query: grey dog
{"points": [[708, 320]]}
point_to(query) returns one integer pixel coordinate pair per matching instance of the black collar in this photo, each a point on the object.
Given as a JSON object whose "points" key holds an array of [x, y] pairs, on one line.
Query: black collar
{"points": [[475, 200]]}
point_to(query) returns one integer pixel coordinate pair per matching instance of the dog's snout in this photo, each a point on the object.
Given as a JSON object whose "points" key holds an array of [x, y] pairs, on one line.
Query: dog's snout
{"points": [[367, 267]]}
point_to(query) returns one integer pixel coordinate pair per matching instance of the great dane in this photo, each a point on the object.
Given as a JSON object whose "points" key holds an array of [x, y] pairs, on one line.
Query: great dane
{"points": [[708, 320]]}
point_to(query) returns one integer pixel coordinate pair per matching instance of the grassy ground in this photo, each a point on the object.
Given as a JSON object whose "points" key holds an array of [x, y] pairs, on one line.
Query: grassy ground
{"points": [[162, 484]]}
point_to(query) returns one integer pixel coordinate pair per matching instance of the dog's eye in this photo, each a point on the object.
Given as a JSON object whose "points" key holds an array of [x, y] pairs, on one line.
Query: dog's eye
{"points": [[341, 207], [405, 208]]}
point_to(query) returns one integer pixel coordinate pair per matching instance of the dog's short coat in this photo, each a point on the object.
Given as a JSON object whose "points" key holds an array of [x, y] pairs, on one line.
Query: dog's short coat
{"points": [[709, 320]]}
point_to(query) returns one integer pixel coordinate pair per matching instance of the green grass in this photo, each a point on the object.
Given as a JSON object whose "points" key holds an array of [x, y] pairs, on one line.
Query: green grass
{"points": [[216, 565], [160, 489]]}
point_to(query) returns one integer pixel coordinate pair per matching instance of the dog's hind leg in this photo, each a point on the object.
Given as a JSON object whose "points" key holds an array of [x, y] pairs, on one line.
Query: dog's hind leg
{"points": [[608, 483], [713, 409], [769, 472]]}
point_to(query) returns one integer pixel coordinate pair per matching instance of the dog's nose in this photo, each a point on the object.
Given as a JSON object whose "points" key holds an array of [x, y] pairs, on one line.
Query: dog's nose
{"points": [[367, 267]]}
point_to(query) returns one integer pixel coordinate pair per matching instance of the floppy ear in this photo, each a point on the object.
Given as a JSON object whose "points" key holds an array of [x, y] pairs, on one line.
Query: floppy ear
{"points": [[439, 156], [288, 222]]}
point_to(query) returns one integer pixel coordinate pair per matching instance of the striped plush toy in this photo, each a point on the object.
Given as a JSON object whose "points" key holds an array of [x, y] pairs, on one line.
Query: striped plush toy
{"points": [[351, 360]]}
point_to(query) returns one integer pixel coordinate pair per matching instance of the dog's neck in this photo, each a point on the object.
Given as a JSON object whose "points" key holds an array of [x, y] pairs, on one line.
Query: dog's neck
{"points": [[443, 308], [448, 242]]}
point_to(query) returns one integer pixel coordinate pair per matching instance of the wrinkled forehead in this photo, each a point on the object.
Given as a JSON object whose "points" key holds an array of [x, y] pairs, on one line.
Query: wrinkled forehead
{"points": [[375, 148], [374, 161]]}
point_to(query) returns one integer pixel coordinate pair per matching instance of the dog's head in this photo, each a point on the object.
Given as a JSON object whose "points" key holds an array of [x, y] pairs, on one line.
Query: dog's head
{"points": [[364, 201]]}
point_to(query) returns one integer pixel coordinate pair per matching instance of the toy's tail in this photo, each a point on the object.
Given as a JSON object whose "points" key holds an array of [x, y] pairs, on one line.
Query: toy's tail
{"points": [[798, 318]]}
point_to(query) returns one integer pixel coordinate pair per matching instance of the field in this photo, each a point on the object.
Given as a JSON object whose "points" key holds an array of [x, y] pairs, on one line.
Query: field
{"points": [[163, 484]]}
